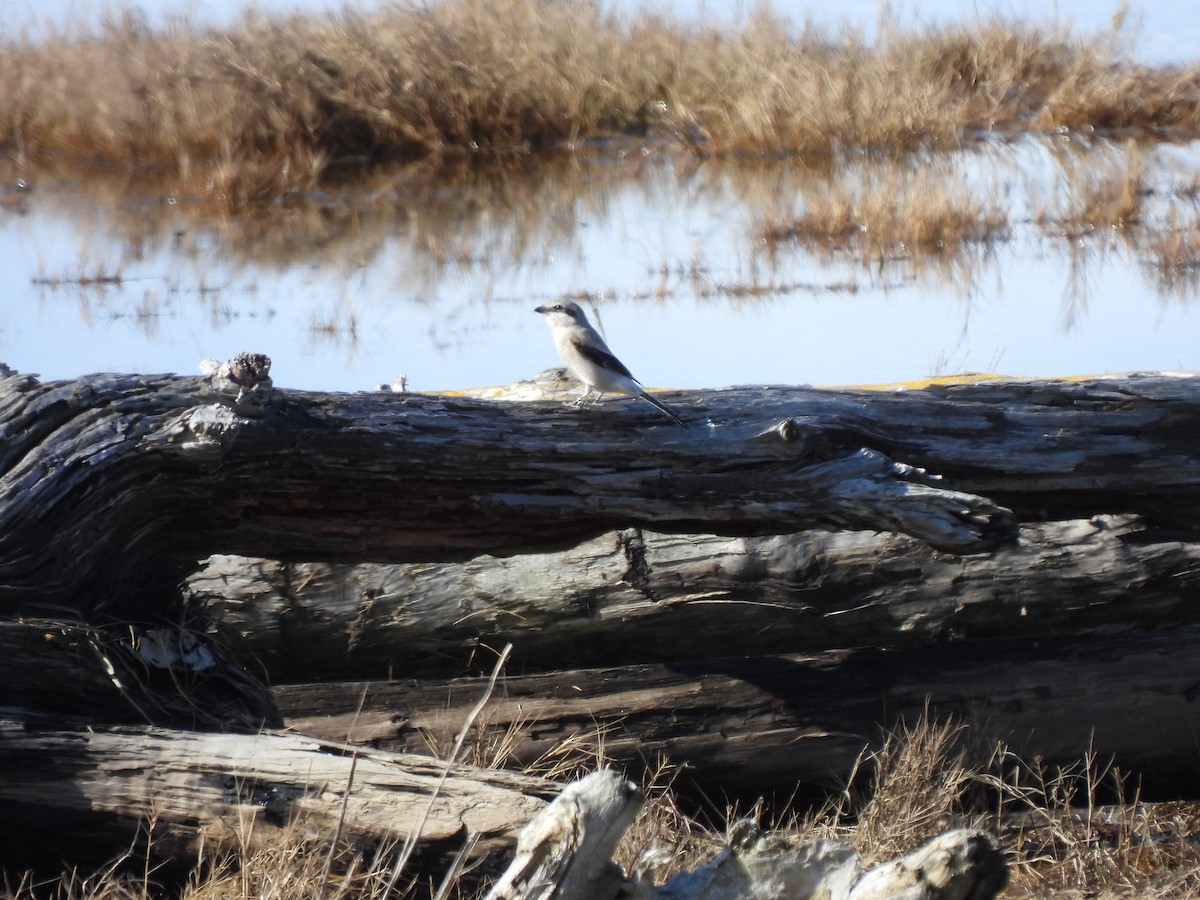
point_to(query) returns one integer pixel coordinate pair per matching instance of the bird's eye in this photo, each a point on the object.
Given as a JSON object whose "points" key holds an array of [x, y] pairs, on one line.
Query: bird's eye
{"points": [[557, 307]]}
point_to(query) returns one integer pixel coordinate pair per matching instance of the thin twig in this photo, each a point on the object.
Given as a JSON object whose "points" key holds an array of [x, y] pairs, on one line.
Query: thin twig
{"points": [[410, 842], [337, 834], [456, 866]]}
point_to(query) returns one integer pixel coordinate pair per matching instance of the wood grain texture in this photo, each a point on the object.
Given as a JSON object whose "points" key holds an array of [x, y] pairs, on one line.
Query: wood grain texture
{"points": [[636, 596], [131, 478], [85, 793]]}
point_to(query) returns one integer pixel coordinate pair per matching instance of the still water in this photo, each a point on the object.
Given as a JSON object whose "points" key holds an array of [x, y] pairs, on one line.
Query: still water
{"points": [[350, 292]]}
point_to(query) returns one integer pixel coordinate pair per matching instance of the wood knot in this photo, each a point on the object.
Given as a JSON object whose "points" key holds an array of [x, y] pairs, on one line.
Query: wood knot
{"points": [[806, 440]]}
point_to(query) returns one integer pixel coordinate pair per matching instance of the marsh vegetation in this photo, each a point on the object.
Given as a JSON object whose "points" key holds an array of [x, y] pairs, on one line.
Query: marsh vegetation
{"points": [[487, 130]]}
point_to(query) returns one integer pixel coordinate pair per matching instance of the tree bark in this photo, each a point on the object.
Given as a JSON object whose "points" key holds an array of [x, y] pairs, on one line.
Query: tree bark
{"points": [[749, 726], [629, 597], [112, 486], [83, 795]]}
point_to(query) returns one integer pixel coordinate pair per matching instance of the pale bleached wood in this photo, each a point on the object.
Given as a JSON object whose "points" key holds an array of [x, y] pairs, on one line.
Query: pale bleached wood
{"points": [[82, 794], [632, 596], [961, 864], [565, 853], [964, 864]]}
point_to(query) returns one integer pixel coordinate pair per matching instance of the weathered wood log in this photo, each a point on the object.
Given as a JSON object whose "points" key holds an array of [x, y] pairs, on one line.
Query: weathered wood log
{"points": [[81, 795], [112, 486], [961, 864], [565, 853], [632, 597], [132, 478], [749, 726]]}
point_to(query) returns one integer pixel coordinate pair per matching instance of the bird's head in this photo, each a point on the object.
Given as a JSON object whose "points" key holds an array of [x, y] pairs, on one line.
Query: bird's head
{"points": [[562, 313]]}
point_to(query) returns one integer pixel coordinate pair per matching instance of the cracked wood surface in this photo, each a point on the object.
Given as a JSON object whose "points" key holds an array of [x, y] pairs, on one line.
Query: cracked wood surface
{"points": [[111, 486], [85, 793], [628, 596]]}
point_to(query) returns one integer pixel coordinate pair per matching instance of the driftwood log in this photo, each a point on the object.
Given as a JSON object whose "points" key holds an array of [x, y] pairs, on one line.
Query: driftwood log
{"points": [[763, 725], [86, 793], [114, 487], [635, 596], [565, 853], [111, 487]]}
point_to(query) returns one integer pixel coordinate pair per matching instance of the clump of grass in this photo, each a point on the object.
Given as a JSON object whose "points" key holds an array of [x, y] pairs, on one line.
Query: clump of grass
{"points": [[276, 105]]}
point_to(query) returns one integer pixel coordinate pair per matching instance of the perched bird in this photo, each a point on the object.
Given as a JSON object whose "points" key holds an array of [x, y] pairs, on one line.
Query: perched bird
{"points": [[588, 358]]}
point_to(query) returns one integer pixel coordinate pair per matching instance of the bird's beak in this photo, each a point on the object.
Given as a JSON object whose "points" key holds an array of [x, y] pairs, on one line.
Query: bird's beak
{"points": [[540, 309]]}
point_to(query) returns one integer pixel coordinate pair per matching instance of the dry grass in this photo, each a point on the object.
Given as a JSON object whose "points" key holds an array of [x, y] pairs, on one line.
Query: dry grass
{"points": [[1058, 837], [276, 105]]}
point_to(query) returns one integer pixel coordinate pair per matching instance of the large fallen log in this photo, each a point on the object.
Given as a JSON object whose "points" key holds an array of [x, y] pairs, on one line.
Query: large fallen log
{"points": [[83, 794], [750, 726], [112, 486], [631, 596]]}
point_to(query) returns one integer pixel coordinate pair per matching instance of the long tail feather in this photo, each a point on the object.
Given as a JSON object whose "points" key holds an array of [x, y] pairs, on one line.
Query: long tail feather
{"points": [[658, 405]]}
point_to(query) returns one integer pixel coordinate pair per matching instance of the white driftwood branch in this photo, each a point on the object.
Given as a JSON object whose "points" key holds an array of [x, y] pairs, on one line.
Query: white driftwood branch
{"points": [[564, 853]]}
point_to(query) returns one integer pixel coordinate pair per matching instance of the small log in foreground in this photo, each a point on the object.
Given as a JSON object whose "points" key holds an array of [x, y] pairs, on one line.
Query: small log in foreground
{"points": [[565, 853], [82, 795]]}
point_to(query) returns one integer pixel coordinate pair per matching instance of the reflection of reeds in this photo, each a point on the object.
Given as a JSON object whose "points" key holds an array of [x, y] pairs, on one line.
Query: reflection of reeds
{"points": [[1103, 188], [272, 105], [1173, 256], [889, 209]]}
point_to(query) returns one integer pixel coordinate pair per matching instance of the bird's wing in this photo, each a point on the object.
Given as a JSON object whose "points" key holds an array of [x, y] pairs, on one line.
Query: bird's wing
{"points": [[600, 356]]}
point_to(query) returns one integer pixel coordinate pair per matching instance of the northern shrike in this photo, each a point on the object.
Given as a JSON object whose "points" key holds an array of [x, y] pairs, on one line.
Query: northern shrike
{"points": [[589, 359]]}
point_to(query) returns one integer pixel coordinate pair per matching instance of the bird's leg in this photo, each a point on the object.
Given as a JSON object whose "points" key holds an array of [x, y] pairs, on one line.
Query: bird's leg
{"points": [[579, 401]]}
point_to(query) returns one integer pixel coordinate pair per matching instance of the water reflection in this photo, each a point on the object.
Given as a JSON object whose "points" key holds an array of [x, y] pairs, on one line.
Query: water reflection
{"points": [[924, 265]]}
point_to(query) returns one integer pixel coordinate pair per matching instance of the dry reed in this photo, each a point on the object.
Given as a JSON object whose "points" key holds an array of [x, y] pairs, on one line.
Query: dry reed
{"points": [[276, 105], [883, 211]]}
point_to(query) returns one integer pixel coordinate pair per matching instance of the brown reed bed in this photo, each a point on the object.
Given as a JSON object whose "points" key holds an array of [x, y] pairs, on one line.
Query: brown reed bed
{"points": [[274, 105]]}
